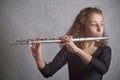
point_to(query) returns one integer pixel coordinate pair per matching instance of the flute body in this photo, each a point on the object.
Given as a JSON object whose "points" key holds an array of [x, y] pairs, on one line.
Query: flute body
{"points": [[53, 40]]}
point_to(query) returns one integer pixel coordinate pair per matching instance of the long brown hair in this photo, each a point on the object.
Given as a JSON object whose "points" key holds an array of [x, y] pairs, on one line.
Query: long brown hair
{"points": [[78, 27]]}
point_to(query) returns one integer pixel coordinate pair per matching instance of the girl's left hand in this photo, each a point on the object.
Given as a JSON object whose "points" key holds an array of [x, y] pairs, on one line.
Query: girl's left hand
{"points": [[67, 41]]}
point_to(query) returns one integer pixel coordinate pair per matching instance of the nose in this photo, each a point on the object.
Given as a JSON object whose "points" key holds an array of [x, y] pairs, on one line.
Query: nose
{"points": [[99, 28]]}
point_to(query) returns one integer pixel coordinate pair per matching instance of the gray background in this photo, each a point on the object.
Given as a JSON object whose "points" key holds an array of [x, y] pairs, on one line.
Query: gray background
{"points": [[21, 19]]}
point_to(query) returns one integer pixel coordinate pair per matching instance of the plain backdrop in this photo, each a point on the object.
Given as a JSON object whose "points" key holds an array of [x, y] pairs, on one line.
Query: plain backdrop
{"points": [[21, 19]]}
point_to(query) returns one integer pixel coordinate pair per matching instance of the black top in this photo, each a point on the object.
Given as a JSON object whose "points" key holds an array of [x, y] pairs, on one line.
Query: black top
{"points": [[78, 69]]}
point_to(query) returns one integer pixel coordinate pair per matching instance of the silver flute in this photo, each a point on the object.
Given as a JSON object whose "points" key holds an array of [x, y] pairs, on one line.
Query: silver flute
{"points": [[54, 40]]}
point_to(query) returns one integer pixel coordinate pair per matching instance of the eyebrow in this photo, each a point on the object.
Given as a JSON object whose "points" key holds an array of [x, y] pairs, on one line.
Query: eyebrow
{"points": [[95, 21]]}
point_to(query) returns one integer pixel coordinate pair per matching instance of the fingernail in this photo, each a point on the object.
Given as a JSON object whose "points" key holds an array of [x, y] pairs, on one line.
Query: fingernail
{"points": [[30, 45]]}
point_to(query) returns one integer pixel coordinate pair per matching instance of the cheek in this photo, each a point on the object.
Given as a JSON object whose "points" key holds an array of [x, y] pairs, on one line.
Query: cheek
{"points": [[91, 31], [94, 32], [99, 32]]}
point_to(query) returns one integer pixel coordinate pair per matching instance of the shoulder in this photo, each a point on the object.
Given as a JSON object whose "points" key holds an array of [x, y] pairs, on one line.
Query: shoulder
{"points": [[106, 48], [106, 51]]}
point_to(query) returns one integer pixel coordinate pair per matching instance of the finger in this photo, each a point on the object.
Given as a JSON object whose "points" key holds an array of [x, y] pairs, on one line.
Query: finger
{"points": [[33, 46], [71, 37], [34, 55], [37, 38], [30, 45], [68, 38], [33, 50], [61, 38], [38, 45], [64, 38], [63, 44]]}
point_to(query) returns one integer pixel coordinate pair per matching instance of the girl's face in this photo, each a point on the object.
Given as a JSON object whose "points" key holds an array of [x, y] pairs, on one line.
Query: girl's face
{"points": [[95, 26]]}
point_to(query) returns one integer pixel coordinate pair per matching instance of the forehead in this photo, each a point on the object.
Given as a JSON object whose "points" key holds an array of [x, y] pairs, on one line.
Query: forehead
{"points": [[96, 17]]}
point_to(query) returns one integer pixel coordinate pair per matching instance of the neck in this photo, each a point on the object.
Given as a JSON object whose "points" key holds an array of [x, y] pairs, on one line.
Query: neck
{"points": [[89, 44]]}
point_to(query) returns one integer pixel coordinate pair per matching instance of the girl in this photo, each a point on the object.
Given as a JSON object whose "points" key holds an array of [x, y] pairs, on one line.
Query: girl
{"points": [[88, 60]]}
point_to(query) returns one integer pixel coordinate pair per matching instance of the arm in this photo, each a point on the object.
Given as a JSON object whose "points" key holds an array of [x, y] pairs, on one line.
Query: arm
{"points": [[101, 64], [36, 50], [59, 60], [67, 41], [48, 70]]}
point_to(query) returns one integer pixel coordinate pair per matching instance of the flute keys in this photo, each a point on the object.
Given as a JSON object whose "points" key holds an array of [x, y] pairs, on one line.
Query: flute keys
{"points": [[18, 42]]}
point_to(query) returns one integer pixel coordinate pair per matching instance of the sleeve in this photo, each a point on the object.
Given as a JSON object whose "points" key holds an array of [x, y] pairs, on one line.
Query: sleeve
{"points": [[101, 65], [59, 60]]}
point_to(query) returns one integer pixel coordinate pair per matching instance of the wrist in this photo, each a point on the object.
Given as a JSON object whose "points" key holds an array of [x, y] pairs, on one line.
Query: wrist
{"points": [[40, 62], [77, 51], [38, 58]]}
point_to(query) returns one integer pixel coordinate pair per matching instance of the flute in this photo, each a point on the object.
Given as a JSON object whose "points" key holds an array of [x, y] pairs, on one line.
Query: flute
{"points": [[53, 40]]}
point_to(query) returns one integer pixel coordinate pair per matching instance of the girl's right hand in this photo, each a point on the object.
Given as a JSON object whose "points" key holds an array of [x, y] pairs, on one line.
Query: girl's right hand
{"points": [[36, 49]]}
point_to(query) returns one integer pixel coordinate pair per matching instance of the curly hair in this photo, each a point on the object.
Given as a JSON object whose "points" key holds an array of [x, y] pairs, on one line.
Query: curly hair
{"points": [[77, 29]]}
